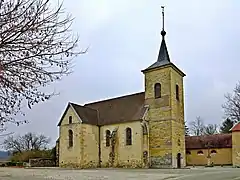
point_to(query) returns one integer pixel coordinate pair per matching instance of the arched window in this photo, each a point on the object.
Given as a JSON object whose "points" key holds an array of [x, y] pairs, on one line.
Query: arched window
{"points": [[108, 133], [177, 92], [128, 136], [188, 152], [70, 138], [157, 90], [200, 152], [70, 119], [213, 152]]}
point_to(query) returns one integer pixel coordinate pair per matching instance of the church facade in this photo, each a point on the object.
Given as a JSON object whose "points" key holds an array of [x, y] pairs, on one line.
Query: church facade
{"points": [[140, 130]]}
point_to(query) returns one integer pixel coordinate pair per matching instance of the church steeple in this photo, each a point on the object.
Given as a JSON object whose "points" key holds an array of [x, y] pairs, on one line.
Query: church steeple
{"points": [[163, 59], [163, 52], [163, 56], [164, 97]]}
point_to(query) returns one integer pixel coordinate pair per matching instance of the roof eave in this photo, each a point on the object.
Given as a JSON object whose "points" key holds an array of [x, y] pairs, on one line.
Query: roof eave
{"points": [[61, 119], [76, 113], [163, 66], [114, 123], [231, 130], [69, 105], [215, 147]]}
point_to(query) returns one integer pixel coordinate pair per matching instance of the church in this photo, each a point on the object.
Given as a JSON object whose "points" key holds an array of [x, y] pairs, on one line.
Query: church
{"points": [[141, 130]]}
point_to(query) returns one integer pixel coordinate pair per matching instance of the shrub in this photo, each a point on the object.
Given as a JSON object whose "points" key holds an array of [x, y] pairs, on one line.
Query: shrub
{"points": [[25, 156], [11, 164]]}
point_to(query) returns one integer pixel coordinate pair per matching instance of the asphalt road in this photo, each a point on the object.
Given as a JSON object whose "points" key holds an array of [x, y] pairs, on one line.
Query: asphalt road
{"points": [[121, 174]]}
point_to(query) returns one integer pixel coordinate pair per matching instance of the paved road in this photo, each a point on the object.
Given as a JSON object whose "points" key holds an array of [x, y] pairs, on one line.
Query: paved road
{"points": [[121, 174]]}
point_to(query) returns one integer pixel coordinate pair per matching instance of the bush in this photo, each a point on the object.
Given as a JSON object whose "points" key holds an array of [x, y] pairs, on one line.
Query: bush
{"points": [[19, 164], [25, 156], [11, 164]]}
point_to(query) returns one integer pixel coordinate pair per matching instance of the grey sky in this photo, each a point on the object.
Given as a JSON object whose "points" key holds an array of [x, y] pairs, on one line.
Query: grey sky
{"points": [[124, 38]]}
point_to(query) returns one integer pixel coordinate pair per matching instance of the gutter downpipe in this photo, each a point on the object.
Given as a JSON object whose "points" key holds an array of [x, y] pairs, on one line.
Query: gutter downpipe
{"points": [[99, 141]]}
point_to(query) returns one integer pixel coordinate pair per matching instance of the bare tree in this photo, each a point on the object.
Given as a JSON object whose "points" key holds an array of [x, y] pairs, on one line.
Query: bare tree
{"points": [[196, 127], [232, 105], [27, 142], [210, 129], [36, 48]]}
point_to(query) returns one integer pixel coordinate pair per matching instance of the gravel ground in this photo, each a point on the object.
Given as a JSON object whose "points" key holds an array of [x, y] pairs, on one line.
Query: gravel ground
{"points": [[120, 174]]}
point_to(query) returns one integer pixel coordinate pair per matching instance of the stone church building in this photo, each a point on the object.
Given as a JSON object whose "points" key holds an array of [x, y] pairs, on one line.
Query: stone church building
{"points": [[140, 130]]}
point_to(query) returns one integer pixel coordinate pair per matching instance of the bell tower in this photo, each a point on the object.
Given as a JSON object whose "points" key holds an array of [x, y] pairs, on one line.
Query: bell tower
{"points": [[164, 96]]}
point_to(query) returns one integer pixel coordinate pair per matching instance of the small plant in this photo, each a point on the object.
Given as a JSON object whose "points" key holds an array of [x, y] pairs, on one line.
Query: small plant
{"points": [[11, 164], [19, 164]]}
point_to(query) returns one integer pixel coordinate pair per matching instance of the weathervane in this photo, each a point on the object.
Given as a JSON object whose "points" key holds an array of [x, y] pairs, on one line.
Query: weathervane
{"points": [[163, 33], [163, 16]]}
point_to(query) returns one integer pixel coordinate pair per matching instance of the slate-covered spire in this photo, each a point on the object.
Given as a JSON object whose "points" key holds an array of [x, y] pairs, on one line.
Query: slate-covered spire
{"points": [[163, 52], [163, 59], [163, 56]]}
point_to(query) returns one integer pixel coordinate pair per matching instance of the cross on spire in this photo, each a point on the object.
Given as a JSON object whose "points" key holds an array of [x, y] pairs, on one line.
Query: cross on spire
{"points": [[163, 56], [163, 33], [163, 16], [163, 52]]}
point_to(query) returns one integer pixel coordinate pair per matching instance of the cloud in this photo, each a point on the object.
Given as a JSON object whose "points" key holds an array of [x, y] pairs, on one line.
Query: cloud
{"points": [[94, 14], [124, 38]]}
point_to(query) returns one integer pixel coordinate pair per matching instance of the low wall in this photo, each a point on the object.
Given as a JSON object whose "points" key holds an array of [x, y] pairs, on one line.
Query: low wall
{"points": [[41, 162]]}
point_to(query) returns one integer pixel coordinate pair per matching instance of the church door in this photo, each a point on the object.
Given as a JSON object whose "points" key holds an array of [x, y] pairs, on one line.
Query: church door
{"points": [[179, 160]]}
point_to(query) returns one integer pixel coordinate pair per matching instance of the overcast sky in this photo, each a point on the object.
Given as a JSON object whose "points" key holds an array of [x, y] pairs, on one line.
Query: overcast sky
{"points": [[123, 37]]}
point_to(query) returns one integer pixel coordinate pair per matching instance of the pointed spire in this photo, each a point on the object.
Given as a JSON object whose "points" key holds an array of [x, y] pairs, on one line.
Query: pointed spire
{"points": [[163, 56], [163, 52]]}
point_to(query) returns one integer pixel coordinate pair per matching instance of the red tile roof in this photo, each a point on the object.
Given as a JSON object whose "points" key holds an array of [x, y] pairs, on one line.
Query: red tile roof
{"points": [[214, 141], [236, 127]]}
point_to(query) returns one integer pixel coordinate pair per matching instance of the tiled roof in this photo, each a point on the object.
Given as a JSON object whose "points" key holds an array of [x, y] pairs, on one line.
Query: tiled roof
{"points": [[117, 110], [214, 141], [236, 127], [121, 109], [87, 115]]}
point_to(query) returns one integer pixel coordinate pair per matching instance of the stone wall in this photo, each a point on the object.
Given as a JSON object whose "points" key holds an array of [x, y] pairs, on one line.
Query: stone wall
{"points": [[166, 117], [162, 161], [159, 117], [178, 123], [84, 152], [236, 149], [57, 152], [41, 162], [223, 156], [124, 155], [90, 147], [70, 156]]}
